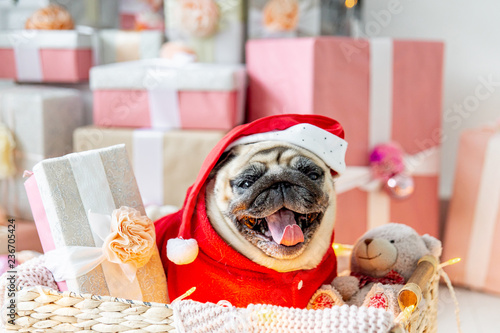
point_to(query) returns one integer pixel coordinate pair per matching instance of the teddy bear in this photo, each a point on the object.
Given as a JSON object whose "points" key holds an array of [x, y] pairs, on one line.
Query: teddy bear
{"points": [[382, 261]]}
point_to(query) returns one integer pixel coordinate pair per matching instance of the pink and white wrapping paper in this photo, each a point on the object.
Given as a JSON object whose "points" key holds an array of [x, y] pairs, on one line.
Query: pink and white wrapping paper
{"points": [[165, 163], [42, 120], [66, 194], [154, 93], [473, 223], [380, 90], [45, 55]]}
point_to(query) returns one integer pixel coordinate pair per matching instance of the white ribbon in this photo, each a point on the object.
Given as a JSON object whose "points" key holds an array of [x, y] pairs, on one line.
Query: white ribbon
{"points": [[28, 62], [164, 108], [226, 41], [241, 85], [380, 131], [378, 211], [381, 62], [71, 262], [164, 103], [92, 33], [485, 217], [380, 122], [424, 163], [148, 165]]}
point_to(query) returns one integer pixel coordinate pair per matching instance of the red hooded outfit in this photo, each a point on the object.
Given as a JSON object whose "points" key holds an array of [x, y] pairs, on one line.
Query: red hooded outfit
{"points": [[221, 273]]}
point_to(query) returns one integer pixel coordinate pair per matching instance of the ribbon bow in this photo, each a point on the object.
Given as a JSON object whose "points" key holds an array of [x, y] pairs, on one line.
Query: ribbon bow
{"points": [[70, 262], [392, 277], [388, 168]]}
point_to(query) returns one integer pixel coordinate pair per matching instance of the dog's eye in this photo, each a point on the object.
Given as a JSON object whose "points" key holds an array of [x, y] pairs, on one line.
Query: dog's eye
{"points": [[245, 184], [392, 241], [313, 175]]}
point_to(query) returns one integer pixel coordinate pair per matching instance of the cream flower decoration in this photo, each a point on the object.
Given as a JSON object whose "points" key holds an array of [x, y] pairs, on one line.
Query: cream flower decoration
{"points": [[281, 15], [132, 239], [52, 17], [7, 145], [199, 18]]}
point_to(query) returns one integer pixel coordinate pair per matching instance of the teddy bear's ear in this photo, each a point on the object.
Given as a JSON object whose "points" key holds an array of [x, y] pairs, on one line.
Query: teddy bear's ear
{"points": [[433, 244]]}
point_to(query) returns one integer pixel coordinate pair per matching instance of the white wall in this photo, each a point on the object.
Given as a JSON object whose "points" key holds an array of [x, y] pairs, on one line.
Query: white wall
{"points": [[471, 32]]}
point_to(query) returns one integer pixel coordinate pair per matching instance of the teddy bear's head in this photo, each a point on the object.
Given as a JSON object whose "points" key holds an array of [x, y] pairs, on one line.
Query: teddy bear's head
{"points": [[389, 247]]}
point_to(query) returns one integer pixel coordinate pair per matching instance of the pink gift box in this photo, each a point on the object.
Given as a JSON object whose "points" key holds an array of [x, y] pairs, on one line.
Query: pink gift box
{"points": [[380, 90], [45, 56], [156, 94], [473, 224]]}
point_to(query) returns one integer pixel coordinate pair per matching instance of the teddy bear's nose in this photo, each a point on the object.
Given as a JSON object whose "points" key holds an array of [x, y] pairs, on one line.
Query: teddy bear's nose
{"points": [[368, 241]]}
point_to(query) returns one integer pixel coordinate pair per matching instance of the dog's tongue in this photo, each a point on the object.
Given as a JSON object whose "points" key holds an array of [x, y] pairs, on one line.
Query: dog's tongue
{"points": [[284, 229]]}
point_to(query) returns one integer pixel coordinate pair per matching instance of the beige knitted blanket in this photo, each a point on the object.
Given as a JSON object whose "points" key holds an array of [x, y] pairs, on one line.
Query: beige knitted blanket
{"points": [[193, 316]]}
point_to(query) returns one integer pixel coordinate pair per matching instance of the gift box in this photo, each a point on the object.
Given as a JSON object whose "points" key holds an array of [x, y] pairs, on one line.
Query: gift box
{"points": [[119, 45], [100, 14], [92, 224], [165, 163], [214, 29], [154, 93], [473, 224], [294, 18], [35, 123], [45, 55], [380, 90], [128, 11], [94, 13], [142, 15], [14, 15]]}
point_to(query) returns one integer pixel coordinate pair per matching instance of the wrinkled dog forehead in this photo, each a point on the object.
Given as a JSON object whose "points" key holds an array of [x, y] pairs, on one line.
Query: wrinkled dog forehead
{"points": [[270, 154]]}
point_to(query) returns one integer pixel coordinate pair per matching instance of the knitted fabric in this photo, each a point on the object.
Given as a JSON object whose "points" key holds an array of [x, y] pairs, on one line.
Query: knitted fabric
{"points": [[31, 273], [192, 316]]}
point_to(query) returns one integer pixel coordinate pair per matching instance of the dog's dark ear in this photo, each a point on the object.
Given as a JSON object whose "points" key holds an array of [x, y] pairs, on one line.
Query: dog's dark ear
{"points": [[225, 158]]}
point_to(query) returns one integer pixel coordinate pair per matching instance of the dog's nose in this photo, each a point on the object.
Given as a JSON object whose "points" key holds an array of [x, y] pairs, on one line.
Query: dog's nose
{"points": [[275, 186], [368, 241]]}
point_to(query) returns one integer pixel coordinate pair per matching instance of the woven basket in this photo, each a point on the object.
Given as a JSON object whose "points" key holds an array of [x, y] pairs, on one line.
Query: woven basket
{"points": [[40, 309]]}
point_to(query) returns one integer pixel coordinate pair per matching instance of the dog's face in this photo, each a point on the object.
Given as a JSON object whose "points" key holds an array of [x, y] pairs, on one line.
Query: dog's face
{"points": [[275, 198]]}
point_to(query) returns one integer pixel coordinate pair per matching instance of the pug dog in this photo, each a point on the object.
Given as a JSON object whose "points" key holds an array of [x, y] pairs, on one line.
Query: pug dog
{"points": [[273, 202], [257, 225]]}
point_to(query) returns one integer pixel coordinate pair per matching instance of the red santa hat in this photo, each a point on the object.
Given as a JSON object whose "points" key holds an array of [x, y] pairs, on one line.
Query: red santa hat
{"points": [[321, 135]]}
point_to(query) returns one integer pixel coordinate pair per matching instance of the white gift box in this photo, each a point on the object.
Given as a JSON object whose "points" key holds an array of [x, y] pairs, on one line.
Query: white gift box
{"points": [[42, 121]]}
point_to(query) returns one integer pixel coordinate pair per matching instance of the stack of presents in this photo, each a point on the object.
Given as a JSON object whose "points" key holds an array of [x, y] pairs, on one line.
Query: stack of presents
{"points": [[93, 74]]}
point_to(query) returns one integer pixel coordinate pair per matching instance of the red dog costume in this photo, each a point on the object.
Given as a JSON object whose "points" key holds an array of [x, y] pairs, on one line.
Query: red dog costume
{"points": [[221, 273]]}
